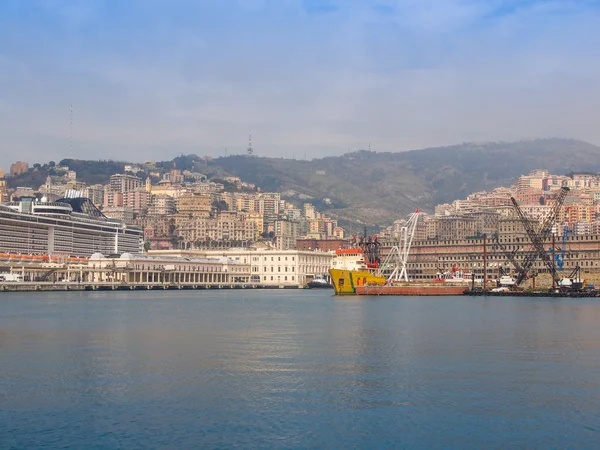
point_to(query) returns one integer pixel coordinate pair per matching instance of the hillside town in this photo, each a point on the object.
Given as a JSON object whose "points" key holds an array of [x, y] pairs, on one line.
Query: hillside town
{"points": [[183, 214], [490, 212], [185, 210]]}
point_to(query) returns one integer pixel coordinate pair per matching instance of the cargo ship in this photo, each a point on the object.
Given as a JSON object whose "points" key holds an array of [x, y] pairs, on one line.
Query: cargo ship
{"points": [[356, 267], [358, 271]]}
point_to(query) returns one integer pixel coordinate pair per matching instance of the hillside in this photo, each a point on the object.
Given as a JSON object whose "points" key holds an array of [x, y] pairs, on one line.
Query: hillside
{"points": [[377, 188]]}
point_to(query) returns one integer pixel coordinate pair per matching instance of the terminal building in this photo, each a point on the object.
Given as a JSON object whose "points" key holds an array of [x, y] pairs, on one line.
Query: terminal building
{"points": [[269, 267], [71, 227], [143, 269]]}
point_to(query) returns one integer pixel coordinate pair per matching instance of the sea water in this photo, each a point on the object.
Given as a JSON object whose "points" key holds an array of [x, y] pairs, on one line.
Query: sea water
{"points": [[297, 369]]}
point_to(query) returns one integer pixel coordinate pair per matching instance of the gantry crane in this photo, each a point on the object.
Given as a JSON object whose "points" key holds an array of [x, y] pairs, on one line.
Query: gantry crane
{"points": [[398, 255]]}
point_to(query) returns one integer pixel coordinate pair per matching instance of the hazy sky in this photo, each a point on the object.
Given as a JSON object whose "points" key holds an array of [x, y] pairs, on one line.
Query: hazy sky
{"points": [[151, 79]]}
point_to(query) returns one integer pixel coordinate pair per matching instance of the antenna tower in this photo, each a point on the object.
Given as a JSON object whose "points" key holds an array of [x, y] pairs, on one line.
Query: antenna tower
{"points": [[250, 150], [71, 131]]}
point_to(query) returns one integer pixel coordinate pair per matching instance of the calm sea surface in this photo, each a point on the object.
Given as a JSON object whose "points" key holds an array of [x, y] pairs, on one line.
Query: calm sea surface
{"points": [[297, 369]]}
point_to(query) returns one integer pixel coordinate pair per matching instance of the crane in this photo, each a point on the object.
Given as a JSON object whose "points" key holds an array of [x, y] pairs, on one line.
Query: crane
{"points": [[538, 238], [398, 255], [511, 257]]}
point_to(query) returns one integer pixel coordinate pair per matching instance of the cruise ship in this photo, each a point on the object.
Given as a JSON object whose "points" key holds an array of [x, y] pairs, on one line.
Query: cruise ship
{"points": [[69, 226]]}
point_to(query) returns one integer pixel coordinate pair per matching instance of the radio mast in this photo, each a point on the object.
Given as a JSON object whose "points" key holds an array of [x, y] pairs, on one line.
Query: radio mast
{"points": [[250, 150]]}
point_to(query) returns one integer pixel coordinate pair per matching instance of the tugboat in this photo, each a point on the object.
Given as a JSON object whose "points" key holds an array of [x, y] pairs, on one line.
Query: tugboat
{"points": [[319, 282]]}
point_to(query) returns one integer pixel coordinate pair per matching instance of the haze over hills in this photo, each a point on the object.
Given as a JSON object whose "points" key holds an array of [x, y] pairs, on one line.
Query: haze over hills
{"points": [[377, 188]]}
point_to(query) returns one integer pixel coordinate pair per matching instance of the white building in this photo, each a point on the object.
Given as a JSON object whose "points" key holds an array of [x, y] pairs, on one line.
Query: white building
{"points": [[131, 268], [278, 268]]}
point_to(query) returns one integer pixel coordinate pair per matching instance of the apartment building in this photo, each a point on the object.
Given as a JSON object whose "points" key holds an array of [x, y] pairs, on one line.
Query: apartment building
{"points": [[124, 183]]}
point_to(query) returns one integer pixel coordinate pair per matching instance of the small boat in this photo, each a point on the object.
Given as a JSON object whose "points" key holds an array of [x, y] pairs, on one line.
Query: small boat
{"points": [[319, 282]]}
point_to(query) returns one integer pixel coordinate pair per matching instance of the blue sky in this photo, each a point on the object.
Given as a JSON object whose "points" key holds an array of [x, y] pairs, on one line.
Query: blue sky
{"points": [[151, 79]]}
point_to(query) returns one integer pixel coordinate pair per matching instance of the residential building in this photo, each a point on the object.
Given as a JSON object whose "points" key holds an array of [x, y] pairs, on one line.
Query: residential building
{"points": [[194, 204], [124, 183], [121, 213], [286, 233], [137, 200], [95, 193], [162, 205]]}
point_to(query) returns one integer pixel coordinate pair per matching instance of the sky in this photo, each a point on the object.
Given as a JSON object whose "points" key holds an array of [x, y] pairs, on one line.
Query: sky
{"points": [[153, 79]]}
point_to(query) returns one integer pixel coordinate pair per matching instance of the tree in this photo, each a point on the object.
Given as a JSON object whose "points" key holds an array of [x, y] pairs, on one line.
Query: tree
{"points": [[147, 245], [220, 205], [51, 164]]}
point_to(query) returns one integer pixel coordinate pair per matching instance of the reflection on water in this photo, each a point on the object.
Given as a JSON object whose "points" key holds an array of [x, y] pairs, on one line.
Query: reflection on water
{"points": [[296, 369]]}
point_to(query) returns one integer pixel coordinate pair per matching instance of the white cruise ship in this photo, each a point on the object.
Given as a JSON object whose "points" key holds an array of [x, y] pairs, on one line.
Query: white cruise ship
{"points": [[69, 226]]}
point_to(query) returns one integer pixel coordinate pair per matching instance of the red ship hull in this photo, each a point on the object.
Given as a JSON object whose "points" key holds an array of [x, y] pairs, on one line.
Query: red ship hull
{"points": [[416, 289]]}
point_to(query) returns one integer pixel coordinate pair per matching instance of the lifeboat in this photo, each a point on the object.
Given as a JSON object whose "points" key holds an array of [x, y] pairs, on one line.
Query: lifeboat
{"points": [[14, 258], [4, 257], [75, 260], [26, 259], [37, 259]]}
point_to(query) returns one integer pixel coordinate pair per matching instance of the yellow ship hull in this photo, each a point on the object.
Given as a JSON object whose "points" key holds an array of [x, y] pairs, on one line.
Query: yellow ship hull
{"points": [[345, 281]]}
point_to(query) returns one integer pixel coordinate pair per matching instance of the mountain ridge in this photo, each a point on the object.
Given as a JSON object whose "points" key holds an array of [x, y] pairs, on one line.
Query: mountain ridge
{"points": [[376, 188]]}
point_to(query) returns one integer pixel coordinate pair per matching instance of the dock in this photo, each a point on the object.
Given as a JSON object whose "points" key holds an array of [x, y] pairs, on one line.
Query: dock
{"points": [[547, 293], [40, 286]]}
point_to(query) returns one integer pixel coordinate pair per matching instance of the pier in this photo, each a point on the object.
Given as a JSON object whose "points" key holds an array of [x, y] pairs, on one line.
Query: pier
{"points": [[548, 293], [48, 286]]}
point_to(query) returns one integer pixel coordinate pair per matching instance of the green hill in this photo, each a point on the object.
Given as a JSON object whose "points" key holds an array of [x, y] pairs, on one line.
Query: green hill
{"points": [[377, 188]]}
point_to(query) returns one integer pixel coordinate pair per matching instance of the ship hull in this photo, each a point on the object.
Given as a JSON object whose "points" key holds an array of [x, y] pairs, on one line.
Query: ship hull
{"points": [[356, 282], [411, 290], [345, 282], [313, 285]]}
